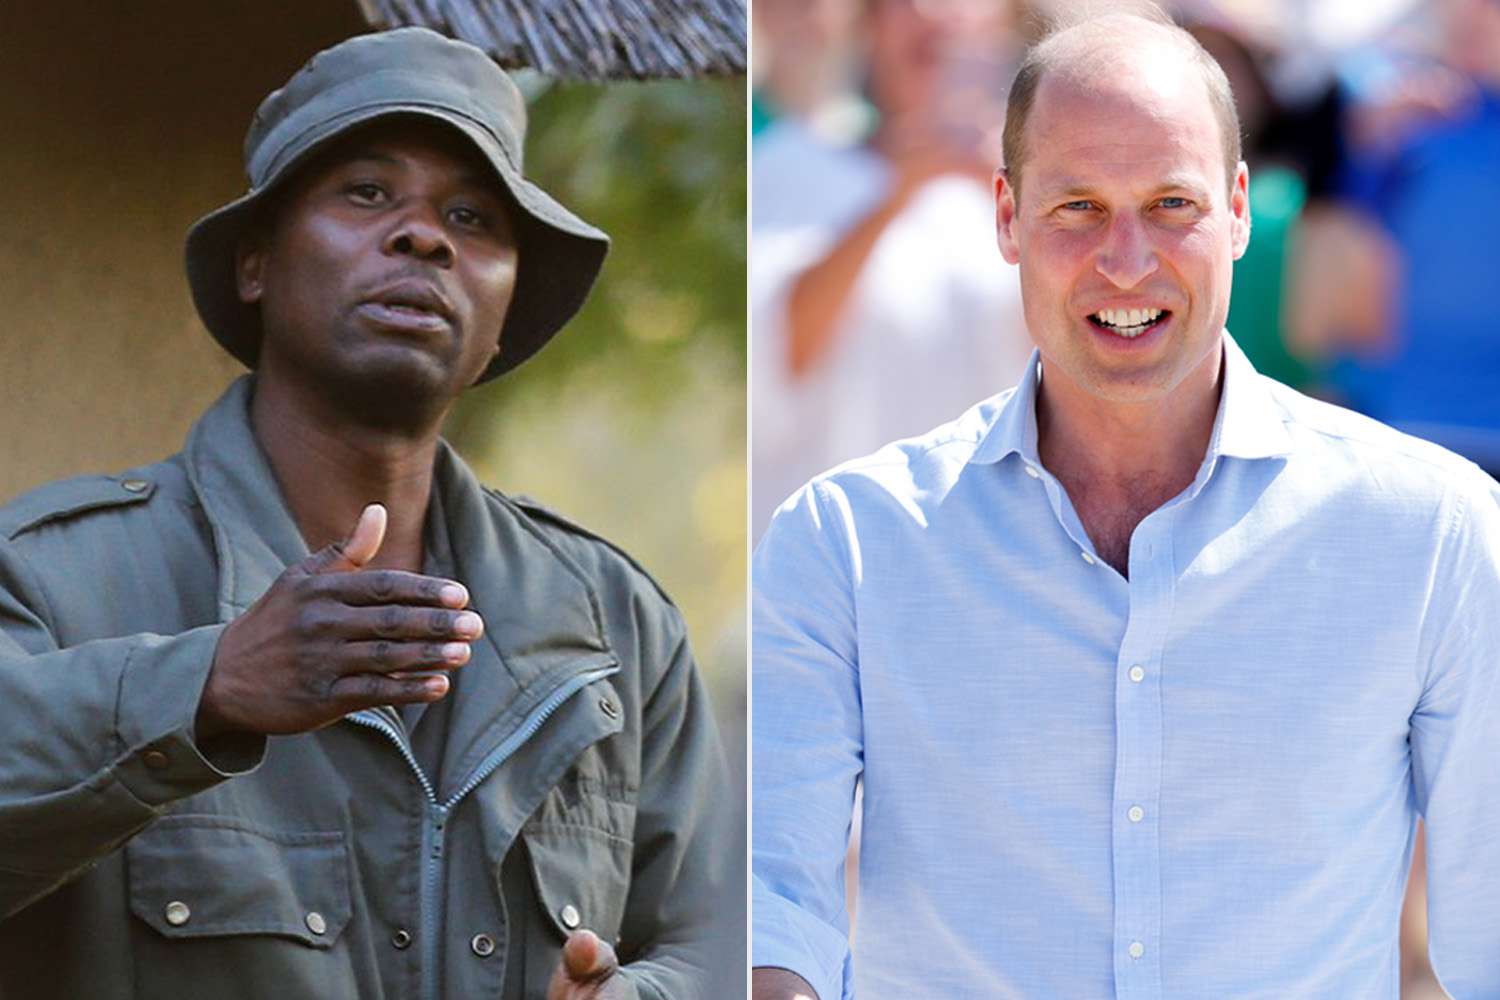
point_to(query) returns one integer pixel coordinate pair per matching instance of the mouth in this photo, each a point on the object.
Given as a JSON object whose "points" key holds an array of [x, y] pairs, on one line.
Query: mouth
{"points": [[408, 305], [1129, 323]]}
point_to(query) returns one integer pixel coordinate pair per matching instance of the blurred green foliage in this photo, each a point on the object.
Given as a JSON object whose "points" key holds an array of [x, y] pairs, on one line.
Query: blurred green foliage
{"points": [[660, 167]]}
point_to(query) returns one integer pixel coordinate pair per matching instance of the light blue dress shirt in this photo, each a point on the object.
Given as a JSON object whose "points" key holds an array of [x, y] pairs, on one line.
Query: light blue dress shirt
{"points": [[1200, 782]]}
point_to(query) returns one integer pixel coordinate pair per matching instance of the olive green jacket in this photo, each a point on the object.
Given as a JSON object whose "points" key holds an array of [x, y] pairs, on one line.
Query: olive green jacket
{"points": [[582, 783]]}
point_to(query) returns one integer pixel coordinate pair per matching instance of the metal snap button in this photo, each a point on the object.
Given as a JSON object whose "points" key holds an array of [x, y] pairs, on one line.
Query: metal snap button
{"points": [[570, 916], [135, 485], [315, 922], [155, 759], [482, 945], [177, 913], [401, 940], [609, 708]]}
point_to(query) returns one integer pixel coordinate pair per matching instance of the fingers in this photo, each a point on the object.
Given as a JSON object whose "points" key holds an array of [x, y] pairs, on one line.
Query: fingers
{"points": [[355, 551], [586, 958], [390, 586], [353, 692], [382, 656], [392, 622]]}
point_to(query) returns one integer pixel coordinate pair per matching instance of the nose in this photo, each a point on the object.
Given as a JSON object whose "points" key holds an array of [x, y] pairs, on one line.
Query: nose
{"points": [[1126, 257], [418, 232]]}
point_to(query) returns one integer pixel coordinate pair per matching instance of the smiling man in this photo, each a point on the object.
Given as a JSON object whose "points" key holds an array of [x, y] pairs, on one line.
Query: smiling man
{"points": [[1149, 665], [306, 711]]}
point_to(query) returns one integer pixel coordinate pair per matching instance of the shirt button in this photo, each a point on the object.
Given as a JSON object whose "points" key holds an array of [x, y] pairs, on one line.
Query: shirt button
{"points": [[1136, 949], [482, 945], [1137, 673], [1086, 557], [1136, 814], [177, 913], [1031, 471], [134, 485], [570, 916], [155, 759], [401, 940], [609, 708], [315, 922]]}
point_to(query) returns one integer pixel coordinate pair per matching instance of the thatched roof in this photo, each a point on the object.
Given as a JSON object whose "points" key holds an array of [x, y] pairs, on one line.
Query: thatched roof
{"points": [[587, 39]]}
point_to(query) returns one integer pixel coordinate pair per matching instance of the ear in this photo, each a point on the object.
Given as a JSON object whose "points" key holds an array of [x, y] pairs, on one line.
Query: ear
{"points": [[250, 268], [1239, 210], [1005, 217]]}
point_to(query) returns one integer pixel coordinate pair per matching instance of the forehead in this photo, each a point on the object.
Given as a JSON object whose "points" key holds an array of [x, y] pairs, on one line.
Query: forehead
{"points": [[404, 141], [1146, 119]]}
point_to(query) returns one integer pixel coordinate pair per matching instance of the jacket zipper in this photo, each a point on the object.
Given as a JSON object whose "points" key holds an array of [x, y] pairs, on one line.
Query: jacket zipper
{"points": [[435, 813]]}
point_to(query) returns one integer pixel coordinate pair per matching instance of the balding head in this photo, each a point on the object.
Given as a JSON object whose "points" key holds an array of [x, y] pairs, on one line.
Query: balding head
{"points": [[1112, 53]]}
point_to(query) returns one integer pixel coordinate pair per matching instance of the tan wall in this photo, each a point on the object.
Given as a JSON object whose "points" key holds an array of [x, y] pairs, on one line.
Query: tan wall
{"points": [[121, 123]]}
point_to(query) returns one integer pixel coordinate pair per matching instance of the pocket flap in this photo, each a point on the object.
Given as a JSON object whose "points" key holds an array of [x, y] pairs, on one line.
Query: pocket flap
{"points": [[206, 876], [582, 877]]}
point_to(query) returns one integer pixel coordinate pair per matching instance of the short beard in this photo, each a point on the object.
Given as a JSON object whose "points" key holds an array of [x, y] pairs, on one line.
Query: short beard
{"points": [[406, 400], [392, 399]]}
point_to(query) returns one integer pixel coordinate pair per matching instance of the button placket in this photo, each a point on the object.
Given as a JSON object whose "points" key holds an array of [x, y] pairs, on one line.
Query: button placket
{"points": [[1138, 760]]}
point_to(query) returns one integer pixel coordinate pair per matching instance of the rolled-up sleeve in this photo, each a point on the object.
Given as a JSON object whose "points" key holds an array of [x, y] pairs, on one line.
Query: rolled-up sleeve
{"points": [[807, 736], [1455, 740]]}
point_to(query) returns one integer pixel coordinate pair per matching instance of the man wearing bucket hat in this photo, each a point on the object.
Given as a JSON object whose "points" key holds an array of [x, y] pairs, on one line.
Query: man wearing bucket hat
{"points": [[306, 711]]}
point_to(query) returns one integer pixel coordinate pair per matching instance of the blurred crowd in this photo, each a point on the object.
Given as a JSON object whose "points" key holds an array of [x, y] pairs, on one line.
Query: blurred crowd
{"points": [[880, 304]]}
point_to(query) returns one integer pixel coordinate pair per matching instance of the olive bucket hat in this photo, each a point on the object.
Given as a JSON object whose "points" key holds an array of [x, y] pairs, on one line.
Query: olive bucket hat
{"points": [[408, 71]]}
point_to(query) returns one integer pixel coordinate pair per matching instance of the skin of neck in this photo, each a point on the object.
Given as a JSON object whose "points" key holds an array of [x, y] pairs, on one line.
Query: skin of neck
{"points": [[1114, 446], [329, 466]]}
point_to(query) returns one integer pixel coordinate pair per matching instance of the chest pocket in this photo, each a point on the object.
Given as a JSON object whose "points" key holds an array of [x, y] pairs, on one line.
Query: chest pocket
{"points": [[582, 879], [196, 878]]}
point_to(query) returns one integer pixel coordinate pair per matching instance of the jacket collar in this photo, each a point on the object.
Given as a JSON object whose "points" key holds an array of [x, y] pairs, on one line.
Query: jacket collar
{"points": [[542, 616], [1249, 423]]}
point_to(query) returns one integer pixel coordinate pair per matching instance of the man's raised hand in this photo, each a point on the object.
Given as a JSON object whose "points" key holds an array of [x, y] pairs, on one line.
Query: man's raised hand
{"points": [[331, 637]]}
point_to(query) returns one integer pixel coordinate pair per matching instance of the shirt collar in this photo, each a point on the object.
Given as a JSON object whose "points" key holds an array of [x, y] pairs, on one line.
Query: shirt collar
{"points": [[1249, 423]]}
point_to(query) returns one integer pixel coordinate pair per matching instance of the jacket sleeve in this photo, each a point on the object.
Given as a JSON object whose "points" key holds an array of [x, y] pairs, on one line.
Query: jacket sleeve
{"points": [[95, 740], [807, 737], [1455, 747], [683, 929]]}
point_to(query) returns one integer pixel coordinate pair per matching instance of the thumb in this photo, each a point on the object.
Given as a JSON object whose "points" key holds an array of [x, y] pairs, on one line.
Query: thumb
{"points": [[355, 551], [586, 958]]}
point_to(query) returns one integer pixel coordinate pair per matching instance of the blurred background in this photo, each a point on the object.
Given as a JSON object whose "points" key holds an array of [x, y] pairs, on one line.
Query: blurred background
{"points": [[880, 306], [124, 122]]}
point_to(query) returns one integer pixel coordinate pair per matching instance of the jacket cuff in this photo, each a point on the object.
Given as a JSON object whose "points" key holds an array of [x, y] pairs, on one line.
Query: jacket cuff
{"points": [[160, 687], [786, 936]]}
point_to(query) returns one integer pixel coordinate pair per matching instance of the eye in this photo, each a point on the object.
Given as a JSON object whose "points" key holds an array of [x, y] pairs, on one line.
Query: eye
{"points": [[467, 217], [1077, 206], [1173, 201], [366, 192]]}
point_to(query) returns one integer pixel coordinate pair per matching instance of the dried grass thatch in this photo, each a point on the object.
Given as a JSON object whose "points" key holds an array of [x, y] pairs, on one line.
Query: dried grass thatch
{"points": [[587, 39]]}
